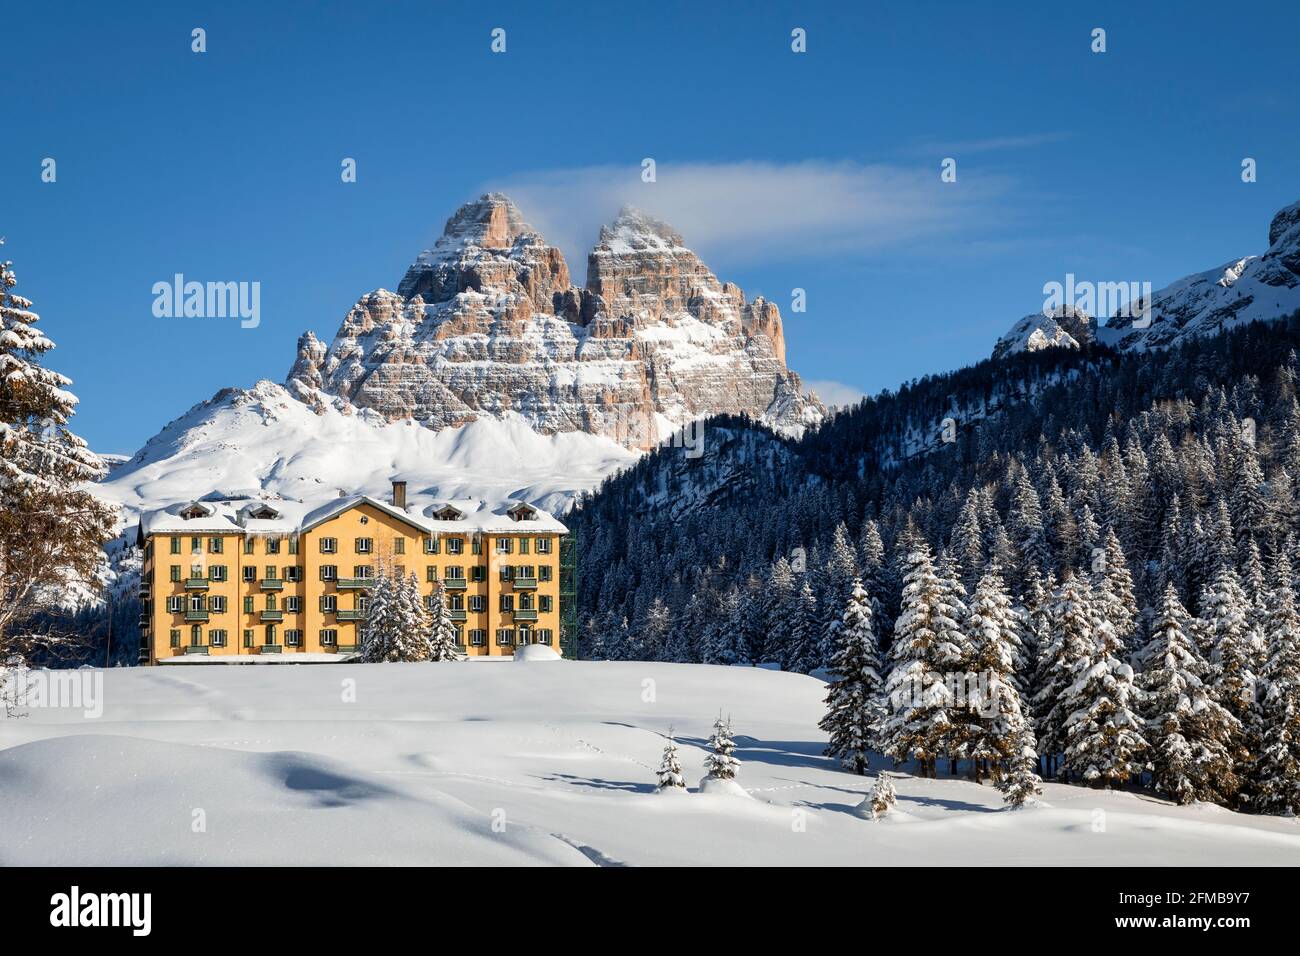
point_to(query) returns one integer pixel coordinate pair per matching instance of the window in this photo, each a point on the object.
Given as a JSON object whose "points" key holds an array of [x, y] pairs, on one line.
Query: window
{"points": [[196, 635], [526, 601], [543, 545], [455, 545], [329, 603], [544, 635], [524, 571], [365, 545], [217, 572], [329, 572], [271, 604], [218, 637], [458, 631], [431, 573], [363, 603], [544, 573], [196, 545], [293, 544], [176, 572], [329, 545], [478, 573], [175, 633], [176, 545], [523, 545], [503, 546], [525, 634], [215, 545], [269, 636], [507, 602], [476, 545], [272, 574], [272, 545], [399, 546], [362, 571], [175, 604], [329, 637], [544, 603], [248, 546], [507, 572], [217, 604], [505, 637], [250, 574], [455, 573], [248, 605], [477, 603], [430, 545], [456, 602], [293, 604], [431, 601], [478, 636], [292, 638], [248, 638], [292, 572]]}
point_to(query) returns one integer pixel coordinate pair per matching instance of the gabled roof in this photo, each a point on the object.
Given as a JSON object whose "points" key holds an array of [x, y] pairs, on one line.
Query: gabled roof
{"points": [[338, 507]]}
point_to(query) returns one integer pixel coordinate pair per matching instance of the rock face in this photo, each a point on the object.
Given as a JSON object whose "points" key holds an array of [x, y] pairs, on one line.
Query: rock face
{"points": [[488, 322], [1255, 288], [1066, 327]]}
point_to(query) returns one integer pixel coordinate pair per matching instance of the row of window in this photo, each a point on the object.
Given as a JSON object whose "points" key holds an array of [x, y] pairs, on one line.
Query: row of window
{"points": [[216, 545], [292, 604], [292, 573], [217, 636]]}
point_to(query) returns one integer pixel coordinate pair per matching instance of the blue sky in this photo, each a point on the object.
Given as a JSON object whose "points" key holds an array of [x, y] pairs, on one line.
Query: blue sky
{"points": [[817, 170]]}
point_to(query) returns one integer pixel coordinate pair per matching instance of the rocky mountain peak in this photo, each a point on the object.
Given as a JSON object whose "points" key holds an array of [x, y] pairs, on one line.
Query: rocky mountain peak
{"points": [[487, 323], [1285, 220]]}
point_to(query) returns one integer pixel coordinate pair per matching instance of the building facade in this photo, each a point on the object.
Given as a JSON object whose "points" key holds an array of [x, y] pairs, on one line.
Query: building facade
{"points": [[232, 578]]}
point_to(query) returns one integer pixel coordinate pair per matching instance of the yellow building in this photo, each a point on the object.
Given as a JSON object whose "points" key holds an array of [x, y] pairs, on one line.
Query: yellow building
{"points": [[234, 578]]}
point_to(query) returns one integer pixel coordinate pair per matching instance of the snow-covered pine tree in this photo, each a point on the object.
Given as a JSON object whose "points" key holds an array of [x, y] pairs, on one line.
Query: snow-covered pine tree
{"points": [[883, 796], [1069, 641], [855, 699], [394, 628], [803, 644], [777, 611], [837, 579], [1104, 741], [51, 527], [1021, 784], [1234, 647], [928, 646], [670, 768], [721, 762], [1114, 584], [1276, 767], [1190, 733], [997, 724], [442, 632]]}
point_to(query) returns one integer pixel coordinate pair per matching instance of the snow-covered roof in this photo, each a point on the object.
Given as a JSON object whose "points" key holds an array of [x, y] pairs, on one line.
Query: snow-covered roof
{"points": [[284, 516]]}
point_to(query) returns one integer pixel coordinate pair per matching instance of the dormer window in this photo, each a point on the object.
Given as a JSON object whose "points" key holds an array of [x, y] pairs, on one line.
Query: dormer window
{"points": [[190, 512], [448, 513], [523, 512], [263, 513]]}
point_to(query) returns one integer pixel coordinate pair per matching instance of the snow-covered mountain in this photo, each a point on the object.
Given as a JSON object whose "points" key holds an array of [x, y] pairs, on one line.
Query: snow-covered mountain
{"points": [[487, 323], [489, 374], [1254, 288]]}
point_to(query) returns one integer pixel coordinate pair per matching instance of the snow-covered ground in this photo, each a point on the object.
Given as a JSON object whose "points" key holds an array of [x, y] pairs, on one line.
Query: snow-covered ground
{"points": [[522, 763]]}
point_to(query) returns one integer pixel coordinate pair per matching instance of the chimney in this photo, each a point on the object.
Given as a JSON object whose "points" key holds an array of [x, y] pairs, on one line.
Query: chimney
{"points": [[399, 494]]}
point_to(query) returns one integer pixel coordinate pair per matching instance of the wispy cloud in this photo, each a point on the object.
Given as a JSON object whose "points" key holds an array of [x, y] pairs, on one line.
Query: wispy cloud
{"points": [[993, 144], [745, 212]]}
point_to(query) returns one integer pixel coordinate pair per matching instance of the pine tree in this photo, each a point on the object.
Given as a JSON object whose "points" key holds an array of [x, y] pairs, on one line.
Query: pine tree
{"points": [[1276, 769], [394, 629], [721, 763], [803, 643], [442, 632], [855, 699], [1191, 734], [928, 646], [1070, 641], [883, 796], [1233, 647], [1021, 783], [670, 768], [1114, 583], [51, 526], [1104, 742], [997, 721]]}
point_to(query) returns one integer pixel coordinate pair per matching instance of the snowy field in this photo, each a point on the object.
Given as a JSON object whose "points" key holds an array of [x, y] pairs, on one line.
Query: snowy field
{"points": [[522, 763]]}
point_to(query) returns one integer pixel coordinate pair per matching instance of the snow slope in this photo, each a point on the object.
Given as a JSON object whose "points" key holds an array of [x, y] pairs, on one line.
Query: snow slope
{"points": [[264, 441], [560, 757]]}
